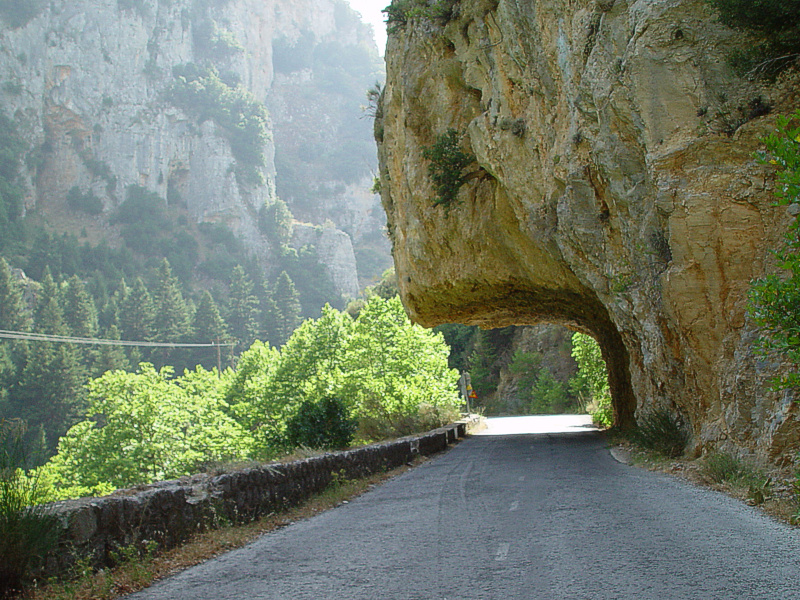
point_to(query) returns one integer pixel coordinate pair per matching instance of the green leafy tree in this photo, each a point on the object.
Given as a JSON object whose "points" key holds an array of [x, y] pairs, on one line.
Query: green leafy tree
{"points": [[775, 299], [548, 395], [312, 363], [591, 381], [324, 423], [397, 375], [143, 427], [250, 393]]}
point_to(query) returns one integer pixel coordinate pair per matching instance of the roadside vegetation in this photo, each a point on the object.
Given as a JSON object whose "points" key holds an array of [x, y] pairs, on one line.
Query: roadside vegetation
{"points": [[337, 381]]}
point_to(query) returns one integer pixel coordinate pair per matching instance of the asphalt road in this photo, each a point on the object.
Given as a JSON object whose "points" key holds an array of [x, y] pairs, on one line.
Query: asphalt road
{"points": [[518, 516]]}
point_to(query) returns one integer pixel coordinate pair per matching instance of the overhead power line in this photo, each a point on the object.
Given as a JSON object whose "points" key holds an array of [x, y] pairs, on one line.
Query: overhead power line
{"points": [[65, 339]]}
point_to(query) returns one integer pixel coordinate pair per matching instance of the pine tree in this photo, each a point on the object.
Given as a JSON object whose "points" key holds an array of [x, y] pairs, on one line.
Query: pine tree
{"points": [[80, 315], [80, 312], [209, 327], [108, 357], [136, 313], [14, 316], [50, 394], [172, 321], [13, 313], [242, 310], [49, 316], [270, 317], [288, 301]]}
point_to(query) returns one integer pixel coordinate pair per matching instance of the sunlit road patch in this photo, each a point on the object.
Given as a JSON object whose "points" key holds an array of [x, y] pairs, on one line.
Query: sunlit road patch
{"points": [[538, 424]]}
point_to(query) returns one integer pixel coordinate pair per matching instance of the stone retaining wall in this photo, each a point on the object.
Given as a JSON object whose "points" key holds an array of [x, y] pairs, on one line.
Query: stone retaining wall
{"points": [[168, 512]]}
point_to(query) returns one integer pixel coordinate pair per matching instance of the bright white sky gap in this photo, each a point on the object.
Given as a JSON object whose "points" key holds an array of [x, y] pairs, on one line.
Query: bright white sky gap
{"points": [[371, 12]]}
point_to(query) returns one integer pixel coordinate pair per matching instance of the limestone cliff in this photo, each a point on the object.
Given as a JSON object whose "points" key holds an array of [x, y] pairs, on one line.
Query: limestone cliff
{"points": [[614, 190], [86, 82]]}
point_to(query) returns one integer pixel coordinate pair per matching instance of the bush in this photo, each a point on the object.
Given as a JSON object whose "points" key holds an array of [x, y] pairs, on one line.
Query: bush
{"points": [[27, 530], [777, 22], [400, 12], [661, 432], [721, 468], [447, 166], [590, 384], [323, 423], [775, 299], [85, 202]]}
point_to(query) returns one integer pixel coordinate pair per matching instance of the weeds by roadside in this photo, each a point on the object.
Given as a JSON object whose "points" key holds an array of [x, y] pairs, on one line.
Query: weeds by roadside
{"points": [[27, 529], [661, 432]]}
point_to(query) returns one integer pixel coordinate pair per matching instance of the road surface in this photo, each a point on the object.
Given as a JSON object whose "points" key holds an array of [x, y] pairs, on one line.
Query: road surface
{"points": [[507, 516]]}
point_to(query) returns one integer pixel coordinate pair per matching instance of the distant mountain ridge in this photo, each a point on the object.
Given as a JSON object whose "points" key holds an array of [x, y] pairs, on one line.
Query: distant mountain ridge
{"points": [[169, 97]]}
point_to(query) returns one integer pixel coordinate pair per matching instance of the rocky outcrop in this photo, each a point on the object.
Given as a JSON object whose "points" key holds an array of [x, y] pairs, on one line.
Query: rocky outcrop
{"points": [[614, 190], [335, 251], [85, 83]]}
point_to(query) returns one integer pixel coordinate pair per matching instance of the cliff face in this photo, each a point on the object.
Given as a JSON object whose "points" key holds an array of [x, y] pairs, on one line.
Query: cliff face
{"points": [[86, 82], [614, 191]]}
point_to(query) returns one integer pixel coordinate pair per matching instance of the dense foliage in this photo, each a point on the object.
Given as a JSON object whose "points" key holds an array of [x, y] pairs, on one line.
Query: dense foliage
{"points": [[317, 160], [42, 382], [378, 371], [591, 382], [400, 12], [775, 299], [776, 22], [447, 165]]}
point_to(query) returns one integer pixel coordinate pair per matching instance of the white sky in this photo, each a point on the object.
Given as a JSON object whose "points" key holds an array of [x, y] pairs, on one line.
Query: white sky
{"points": [[371, 12]]}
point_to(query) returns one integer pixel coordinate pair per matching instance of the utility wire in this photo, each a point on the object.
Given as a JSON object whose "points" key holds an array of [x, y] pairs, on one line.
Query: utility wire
{"points": [[43, 337]]}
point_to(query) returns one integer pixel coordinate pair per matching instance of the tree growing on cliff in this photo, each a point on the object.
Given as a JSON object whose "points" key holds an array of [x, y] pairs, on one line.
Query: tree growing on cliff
{"points": [[775, 299], [447, 164]]}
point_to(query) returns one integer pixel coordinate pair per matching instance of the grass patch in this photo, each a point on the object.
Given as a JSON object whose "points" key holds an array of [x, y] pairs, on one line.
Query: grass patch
{"points": [[139, 568], [727, 470]]}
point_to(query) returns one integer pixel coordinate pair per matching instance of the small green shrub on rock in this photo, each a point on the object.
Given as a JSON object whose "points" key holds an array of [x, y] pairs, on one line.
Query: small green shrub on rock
{"points": [[400, 12], [775, 299], [448, 163]]}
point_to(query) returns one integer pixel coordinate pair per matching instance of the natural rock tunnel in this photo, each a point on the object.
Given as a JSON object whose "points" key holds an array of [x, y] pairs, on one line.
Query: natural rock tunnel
{"points": [[609, 193]]}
